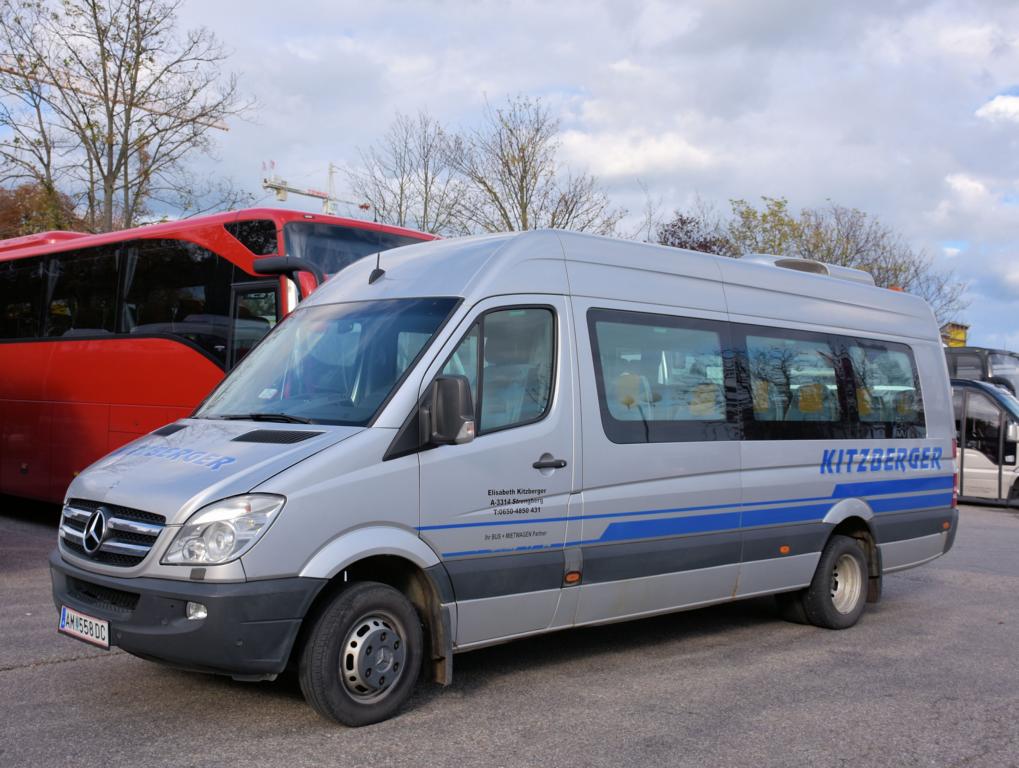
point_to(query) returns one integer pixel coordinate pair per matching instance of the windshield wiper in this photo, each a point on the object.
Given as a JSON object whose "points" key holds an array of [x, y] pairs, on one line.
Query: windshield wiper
{"points": [[285, 418]]}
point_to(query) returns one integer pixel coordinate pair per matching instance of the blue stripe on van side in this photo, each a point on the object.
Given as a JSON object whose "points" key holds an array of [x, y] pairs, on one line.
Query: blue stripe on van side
{"points": [[907, 485], [694, 524], [842, 491], [670, 526]]}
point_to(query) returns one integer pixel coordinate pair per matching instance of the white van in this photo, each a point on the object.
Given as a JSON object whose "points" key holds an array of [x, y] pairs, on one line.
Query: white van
{"points": [[496, 437]]}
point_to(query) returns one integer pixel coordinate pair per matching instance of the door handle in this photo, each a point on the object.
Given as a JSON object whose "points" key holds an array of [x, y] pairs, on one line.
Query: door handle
{"points": [[549, 464]]}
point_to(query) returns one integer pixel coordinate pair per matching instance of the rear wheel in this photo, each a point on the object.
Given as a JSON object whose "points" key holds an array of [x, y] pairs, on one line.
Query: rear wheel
{"points": [[837, 594], [362, 656]]}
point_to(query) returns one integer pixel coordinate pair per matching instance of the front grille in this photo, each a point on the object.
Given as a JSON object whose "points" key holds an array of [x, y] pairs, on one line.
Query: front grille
{"points": [[100, 596], [118, 511], [129, 534]]}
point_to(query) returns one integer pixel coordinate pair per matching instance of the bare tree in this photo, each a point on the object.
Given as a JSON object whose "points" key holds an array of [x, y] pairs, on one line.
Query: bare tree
{"points": [[849, 237], [651, 217], [106, 97], [407, 178], [514, 179]]}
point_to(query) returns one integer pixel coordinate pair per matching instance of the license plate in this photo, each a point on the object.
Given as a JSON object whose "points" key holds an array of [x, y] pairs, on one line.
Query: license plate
{"points": [[82, 627]]}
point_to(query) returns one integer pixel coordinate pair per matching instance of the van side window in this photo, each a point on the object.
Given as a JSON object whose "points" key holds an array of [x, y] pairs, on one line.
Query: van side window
{"points": [[507, 356], [464, 360], [888, 399], [660, 378], [792, 379]]}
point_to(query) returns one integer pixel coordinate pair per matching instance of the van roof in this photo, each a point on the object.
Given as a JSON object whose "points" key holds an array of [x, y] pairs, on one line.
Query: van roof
{"points": [[561, 262]]}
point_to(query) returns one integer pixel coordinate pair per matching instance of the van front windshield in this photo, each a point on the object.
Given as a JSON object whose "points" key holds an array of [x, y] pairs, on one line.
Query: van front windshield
{"points": [[330, 364]]}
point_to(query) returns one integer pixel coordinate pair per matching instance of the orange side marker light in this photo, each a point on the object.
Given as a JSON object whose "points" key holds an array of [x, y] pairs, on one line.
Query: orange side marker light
{"points": [[946, 525], [572, 577], [784, 549]]}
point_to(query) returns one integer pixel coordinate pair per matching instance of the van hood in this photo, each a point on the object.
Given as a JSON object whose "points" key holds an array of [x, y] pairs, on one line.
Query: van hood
{"points": [[186, 465]]}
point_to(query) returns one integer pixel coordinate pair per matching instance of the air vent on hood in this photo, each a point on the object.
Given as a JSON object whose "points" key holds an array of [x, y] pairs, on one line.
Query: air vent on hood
{"points": [[169, 429], [279, 436]]}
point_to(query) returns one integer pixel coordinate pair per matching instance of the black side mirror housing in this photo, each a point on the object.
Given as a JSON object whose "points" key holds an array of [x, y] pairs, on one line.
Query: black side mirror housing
{"points": [[289, 266], [448, 412], [1001, 381]]}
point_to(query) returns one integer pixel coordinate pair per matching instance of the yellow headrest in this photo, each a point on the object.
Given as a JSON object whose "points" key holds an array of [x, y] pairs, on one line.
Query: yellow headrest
{"points": [[863, 401], [704, 400], [811, 398], [904, 403], [762, 396], [629, 391]]}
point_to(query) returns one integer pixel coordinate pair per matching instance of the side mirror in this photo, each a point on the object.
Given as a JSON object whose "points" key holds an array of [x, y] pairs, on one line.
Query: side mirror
{"points": [[1012, 432], [450, 412], [291, 266], [1001, 381]]}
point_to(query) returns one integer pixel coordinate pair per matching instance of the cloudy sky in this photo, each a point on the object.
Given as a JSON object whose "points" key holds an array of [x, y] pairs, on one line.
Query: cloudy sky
{"points": [[907, 109]]}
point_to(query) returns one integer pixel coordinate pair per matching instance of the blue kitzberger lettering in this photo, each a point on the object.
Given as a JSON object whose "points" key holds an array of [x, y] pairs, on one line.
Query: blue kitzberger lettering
{"points": [[839, 461], [187, 455]]}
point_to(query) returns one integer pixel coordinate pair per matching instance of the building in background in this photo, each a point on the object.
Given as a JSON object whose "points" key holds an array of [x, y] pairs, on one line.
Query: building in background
{"points": [[954, 334]]}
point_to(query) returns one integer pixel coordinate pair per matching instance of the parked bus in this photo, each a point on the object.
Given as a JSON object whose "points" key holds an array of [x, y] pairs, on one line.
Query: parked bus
{"points": [[502, 436], [987, 425], [106, 337]]}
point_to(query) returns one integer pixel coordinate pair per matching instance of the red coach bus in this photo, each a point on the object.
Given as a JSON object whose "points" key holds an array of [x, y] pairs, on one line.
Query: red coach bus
{"points": [[104, 338]]}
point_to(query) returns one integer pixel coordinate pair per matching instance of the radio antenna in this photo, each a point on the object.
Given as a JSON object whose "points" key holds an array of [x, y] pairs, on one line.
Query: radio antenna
{"points": [[378, 271]]}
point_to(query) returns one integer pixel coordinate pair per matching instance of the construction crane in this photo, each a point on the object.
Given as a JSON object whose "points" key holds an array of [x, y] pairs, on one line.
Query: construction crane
{"points": [[329, 199]]}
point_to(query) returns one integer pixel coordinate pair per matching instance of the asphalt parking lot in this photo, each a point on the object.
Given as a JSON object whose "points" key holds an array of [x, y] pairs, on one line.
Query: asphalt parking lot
{"points": [[930, 677]]}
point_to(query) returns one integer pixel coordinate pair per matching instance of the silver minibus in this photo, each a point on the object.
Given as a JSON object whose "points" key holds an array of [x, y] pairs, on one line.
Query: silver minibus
{"points": [[483, 439]]}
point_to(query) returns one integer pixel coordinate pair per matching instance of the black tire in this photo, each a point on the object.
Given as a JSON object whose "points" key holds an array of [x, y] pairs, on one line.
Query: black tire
{"points": [[341, 640], [837, 594]]}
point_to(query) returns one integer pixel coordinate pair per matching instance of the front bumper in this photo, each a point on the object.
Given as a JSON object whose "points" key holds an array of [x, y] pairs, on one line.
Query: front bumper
{"points": [[249, 632]]}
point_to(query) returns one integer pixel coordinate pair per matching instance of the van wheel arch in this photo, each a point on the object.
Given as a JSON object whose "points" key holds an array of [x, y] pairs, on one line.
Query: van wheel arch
{"points": [[790, 604], [426, 589], [859, 529]]}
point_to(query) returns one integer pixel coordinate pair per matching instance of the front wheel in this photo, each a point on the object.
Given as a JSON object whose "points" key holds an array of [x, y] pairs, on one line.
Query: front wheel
{"points": [[837, 594], [362, 656]]}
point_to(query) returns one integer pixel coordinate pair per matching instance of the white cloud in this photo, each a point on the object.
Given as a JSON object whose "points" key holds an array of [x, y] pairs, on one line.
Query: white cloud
{"points": [[871, 105], [1000, 109], [633, 153], [970, 192]]}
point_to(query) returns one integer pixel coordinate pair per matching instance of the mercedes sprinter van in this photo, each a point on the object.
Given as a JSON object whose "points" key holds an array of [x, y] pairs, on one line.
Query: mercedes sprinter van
{"points": [[489, 438]]}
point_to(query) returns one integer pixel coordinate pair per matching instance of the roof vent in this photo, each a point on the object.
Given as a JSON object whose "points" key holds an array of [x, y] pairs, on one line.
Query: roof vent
{"points": [[813, 267]]}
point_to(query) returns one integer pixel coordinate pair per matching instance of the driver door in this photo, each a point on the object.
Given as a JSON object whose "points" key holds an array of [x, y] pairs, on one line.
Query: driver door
{"points": [[496, 509]]}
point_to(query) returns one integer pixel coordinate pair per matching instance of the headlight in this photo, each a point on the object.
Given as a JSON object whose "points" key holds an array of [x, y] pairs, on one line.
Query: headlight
{"points": [[223, 531]]}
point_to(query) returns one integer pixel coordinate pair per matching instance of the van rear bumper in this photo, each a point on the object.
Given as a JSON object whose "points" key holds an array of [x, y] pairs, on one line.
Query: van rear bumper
{"points": [[249, 632]]}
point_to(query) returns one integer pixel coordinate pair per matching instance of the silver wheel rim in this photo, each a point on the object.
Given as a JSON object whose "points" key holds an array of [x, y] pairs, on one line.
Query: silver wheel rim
{"points": [[846, 584], [373, 657]]}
